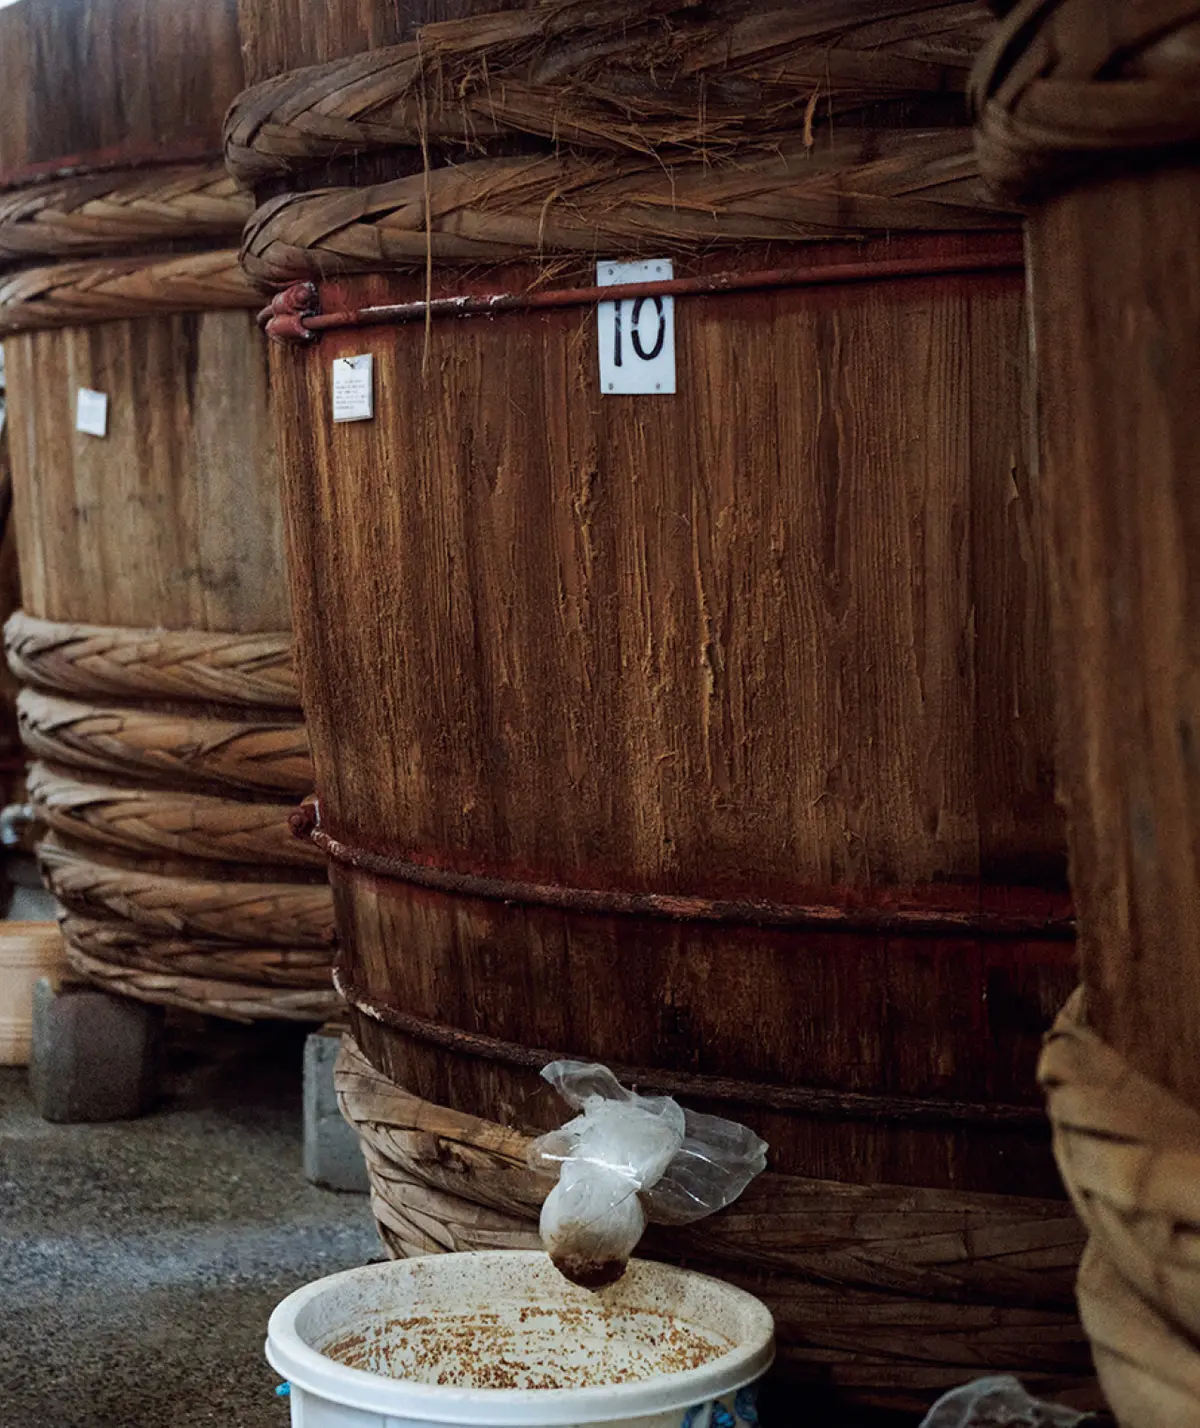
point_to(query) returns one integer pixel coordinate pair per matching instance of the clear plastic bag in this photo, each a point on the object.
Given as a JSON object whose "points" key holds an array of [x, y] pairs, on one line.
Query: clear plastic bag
{"points": [[998, 1402], [628, 1159]]}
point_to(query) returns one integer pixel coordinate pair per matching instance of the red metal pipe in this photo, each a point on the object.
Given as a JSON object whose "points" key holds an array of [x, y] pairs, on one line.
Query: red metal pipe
{"points": [[292, 316]]}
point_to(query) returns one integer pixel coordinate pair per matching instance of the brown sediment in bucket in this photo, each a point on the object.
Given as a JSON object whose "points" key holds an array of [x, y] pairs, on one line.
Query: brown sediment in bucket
{"points": [[589, 1273], [489, 1350]]}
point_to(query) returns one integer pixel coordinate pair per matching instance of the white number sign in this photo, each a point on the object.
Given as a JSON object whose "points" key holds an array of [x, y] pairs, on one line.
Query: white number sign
{"points": [[637, 334]]}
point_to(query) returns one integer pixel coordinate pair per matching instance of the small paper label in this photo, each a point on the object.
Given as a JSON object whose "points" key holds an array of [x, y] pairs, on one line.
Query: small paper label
{"points": [[91, 412], [637, 334], [353, 388]]}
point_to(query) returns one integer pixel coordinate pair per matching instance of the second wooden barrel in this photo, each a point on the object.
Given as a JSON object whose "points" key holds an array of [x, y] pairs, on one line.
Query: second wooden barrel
{"points": [[154, 640], [705, 734]]}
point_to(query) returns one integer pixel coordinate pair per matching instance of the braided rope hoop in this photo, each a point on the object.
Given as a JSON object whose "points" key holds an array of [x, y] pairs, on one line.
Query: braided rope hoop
{"points": [[987, 1277], [1067, 88], [493, 210], [182, 748], [100, 289], [276, 914], [125, 945], [1129, 1153], [118, 209], [112, 660], [167, 823], [626, 76], [236, 1001]]}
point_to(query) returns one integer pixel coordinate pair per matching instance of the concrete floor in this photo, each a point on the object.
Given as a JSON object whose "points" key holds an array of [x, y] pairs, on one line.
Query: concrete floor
{"points": [[139, 1262]]}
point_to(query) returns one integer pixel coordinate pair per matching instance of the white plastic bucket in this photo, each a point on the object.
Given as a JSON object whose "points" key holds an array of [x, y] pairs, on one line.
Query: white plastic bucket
{"points": [[514, 1345]]}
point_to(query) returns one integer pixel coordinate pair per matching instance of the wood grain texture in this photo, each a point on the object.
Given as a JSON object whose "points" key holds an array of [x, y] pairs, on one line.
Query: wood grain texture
{"points": [[103, 661], [96, 80], [187, 904], [165, 823], [172, 519], [781, 636], [884, 1293], [1120, 431], [280, 35], [181, 749]]}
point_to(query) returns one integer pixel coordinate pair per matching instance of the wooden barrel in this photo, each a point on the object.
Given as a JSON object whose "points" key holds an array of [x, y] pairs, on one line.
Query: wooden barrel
{"points": [[706, 734], [154, 639], [91, 84], [1087, 116]]}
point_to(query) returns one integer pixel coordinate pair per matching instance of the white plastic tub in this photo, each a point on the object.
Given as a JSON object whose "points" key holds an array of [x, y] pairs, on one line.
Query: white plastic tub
{"points": [[499, 1339]]}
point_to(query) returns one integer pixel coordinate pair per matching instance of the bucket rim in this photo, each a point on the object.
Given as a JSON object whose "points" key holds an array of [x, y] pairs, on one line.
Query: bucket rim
{"points": [[313, 1372]]}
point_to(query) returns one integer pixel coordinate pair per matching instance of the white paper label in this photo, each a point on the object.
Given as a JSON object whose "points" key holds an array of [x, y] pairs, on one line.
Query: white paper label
{"points": [[91, 412], [353, 388], [637, 335]]}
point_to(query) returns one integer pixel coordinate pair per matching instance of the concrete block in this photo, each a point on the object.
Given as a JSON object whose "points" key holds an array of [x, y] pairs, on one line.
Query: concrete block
{"points": [[94, 1056], [332, 1157]]}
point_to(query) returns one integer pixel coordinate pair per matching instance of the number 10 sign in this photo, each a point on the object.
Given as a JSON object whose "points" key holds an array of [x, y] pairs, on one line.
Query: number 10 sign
{"points": [[637, 334]]}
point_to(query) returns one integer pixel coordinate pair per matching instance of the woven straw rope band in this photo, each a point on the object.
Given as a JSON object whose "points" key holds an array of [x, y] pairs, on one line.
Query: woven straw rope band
{"points": [[164, 823], [258, 757], [100, 289], [621, 77], [115, 210], [988, 1277], [275, 913], [238, 1001], [1068, 87], [494, 210], [1129, 1153], [97, 661]]}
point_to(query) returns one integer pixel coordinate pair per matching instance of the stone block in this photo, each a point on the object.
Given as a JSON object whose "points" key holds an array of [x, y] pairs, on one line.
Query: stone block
{"points": [[332, 1156], [94, 1055]]}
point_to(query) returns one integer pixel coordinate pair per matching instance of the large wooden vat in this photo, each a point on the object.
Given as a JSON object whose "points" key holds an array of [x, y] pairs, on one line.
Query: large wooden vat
{"points": [[154, 637], [707, 735], [1087, 116]]}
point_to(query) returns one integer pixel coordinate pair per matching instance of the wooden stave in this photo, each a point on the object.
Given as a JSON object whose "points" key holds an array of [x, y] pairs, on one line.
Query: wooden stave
{"points": [[97, 82], [281, 35]]}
